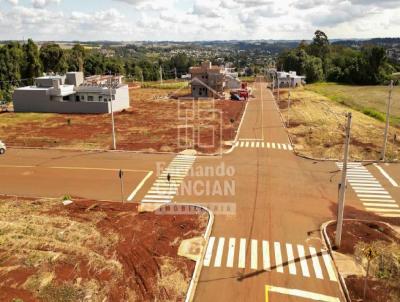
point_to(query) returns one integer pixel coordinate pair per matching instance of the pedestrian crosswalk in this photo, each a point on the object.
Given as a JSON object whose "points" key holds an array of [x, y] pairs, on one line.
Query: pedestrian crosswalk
{"points": [[168, 182], [372, 194], [260, 144], [255, 254]]}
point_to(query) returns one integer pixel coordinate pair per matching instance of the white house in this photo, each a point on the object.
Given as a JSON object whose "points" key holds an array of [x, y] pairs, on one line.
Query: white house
{"points": [[72, 94], [288, 79]]}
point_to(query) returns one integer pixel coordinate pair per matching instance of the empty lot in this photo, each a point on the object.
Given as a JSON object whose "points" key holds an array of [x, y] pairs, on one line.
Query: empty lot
{"points": [[151, 124]]}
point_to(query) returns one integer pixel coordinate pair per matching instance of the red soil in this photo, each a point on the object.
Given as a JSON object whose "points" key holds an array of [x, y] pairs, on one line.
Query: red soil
{"points": [[145, 239]]}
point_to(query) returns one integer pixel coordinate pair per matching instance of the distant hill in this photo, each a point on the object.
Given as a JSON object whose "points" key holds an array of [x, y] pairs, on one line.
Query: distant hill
{"points": [[384, 42]]}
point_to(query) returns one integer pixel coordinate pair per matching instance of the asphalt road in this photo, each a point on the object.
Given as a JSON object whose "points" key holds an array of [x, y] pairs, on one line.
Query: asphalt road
{"points": [[269, 203]]}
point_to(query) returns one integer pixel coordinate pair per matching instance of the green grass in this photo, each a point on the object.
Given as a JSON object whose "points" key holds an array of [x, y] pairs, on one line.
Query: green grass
{"points": [[248, 79], [169, 85], [370, 100]]}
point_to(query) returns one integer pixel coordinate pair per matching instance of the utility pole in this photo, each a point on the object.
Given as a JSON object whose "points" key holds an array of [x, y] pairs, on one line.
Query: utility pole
{"points": [[161, 79], [277, 78], [141, 73], [387, 121], [339, 224], [114, 143], [273, 83], [121, 179], [288, 113], [176, 74]]}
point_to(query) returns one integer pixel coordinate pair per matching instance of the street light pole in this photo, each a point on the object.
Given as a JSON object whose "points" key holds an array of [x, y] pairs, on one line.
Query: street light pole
{"points": [[387, 121], [288, 113], [339, 224], [114, 143]]}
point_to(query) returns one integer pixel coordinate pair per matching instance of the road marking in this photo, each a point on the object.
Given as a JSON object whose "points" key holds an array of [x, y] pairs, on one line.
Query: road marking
{"points": [[278, 257], [328, 264], [163, 189], [258, 145], [220, 250], [279, 146], [73, 168], [266, 260], [391, 180], [382, 210], [268, 145], [298, 293], [252, 144], [291, 263], [207, 257], [254, 255], [380, 200], [247, 144], [375, 196], [242, 253], [273, 145], [303, 261], [315, 262], [139, 186], [270, 259], [380, 205], [231, 252], [262, 145], [284, 147]]}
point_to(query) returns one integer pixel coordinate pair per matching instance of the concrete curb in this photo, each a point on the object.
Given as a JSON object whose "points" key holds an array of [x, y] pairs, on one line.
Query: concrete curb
{"points": [[199, 264], [324, 234], [237, 132]]}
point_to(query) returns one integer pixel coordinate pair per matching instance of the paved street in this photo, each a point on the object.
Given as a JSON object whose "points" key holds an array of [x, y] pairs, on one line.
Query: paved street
{"points": [[268, 232]]}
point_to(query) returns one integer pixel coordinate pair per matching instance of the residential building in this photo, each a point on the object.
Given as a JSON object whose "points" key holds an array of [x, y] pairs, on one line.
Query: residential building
{"points": [[232, 79], [207, 80], [72, 93], [287, 79]]}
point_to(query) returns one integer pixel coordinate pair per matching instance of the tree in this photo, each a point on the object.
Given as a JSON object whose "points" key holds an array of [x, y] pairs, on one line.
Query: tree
{"points": [[320, 45], [53, 58], [94, 64], [313, 70], [32, 66], [11, 58], [76, 58]]}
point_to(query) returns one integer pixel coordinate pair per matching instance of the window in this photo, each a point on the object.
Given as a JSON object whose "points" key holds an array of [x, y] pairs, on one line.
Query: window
{"points": [[82, 97], [113, 97], [100, 98], [66, 98], [90, 98], [77, 99]]}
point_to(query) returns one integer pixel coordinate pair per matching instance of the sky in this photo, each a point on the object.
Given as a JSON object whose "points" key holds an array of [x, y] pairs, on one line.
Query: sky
{"points": [[196, 20]]}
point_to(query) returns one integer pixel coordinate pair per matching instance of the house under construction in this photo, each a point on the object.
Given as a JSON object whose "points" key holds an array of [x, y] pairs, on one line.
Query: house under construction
{"points": [[207, 80]]}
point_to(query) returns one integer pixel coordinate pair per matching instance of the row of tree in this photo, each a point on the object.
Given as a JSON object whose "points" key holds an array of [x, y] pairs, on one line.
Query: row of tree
{"points": [[20, 64], [321, 61]]}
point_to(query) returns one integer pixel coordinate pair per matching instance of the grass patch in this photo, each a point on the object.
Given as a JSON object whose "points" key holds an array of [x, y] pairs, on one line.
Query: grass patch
{"points": [[248, 79], [169, 85], [370, 100], [374, 114], [317, 128]]}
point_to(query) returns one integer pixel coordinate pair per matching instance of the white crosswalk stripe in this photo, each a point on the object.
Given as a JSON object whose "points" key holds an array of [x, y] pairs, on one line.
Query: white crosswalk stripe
{"points": [[257, 144], [282, 258], [164, 190], [372, 194]]}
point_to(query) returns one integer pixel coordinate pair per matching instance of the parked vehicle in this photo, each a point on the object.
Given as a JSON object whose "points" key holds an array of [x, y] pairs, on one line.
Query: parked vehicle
{"points": [[3, 148]]}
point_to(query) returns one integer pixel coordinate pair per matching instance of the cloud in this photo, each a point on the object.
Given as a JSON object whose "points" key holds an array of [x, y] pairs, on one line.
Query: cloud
{"points": [[44, 3], [148, 4], [12, 2], [308, 4], [380, 3]]}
